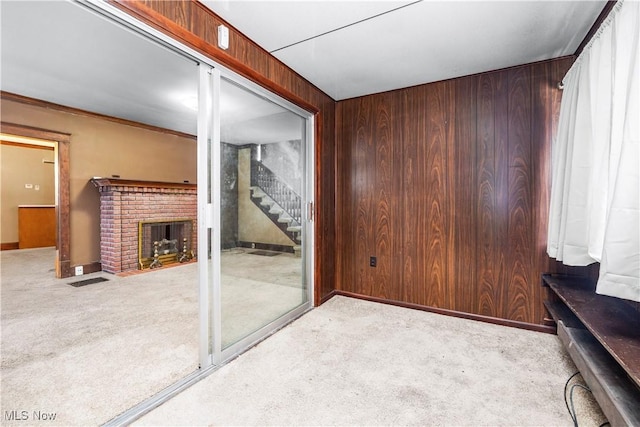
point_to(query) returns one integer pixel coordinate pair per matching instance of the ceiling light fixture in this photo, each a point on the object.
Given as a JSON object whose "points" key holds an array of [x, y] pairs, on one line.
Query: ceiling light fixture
{"points": [[191, 102]]}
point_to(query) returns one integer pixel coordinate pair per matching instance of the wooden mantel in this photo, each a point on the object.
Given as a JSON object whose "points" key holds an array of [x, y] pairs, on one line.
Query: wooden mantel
{"points": [[100, 183]]}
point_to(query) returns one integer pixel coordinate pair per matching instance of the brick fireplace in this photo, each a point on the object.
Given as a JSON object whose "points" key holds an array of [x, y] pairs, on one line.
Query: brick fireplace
{"points": [[124, 204]]}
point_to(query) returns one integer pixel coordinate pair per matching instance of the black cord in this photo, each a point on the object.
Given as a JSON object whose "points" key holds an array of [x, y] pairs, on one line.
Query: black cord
{"points": [[566, 386], [573, 408], [569, 403]]}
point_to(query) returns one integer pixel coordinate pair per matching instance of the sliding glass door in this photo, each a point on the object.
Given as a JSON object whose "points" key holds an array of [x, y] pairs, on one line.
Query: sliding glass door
{"points": [[261, 212], [256, 226]]}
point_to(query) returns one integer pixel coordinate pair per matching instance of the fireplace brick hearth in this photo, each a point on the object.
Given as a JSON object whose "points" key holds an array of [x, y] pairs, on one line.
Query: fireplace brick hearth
{"points": [[124, 203]]}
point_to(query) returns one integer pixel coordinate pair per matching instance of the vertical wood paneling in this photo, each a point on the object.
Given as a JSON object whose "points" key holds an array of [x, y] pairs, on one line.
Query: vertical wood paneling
{"points": [[413, 198], [462, 178], [383, 190], [485, 244], [435, 189], [450, 192], [542, 90], [501, 221], [342, 188], [396, 292], [521, 289], [325, 191], [546, 97], [492, 197], [346, 189], [468, 173], [365, 208], [370, 167], [351, 181]]}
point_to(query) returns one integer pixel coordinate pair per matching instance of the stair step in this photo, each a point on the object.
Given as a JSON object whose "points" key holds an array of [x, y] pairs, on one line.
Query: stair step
{"points": [[294, 228], [285, 219], [275, 210], [267, 201], [257, 192]]}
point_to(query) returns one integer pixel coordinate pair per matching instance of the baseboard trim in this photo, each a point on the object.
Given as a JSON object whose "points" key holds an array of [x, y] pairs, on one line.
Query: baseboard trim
{"points": [[453, 313], [327, 297], [93, 267], [63, 268], [265, 246], [9, 246]]}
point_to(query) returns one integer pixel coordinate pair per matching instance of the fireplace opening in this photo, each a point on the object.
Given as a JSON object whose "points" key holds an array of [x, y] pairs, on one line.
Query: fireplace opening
{"points": [[163, 242]]}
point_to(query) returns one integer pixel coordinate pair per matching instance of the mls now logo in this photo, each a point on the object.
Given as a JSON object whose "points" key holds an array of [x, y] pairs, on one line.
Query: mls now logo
{"points": [[16, 415], [26, 415]]}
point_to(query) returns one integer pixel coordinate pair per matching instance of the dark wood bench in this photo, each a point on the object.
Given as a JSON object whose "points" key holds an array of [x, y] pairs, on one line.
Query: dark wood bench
{"points": [[602, 336]]}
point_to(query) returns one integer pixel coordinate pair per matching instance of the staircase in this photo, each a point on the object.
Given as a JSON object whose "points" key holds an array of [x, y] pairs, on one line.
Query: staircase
{"points": [[277, 200]]}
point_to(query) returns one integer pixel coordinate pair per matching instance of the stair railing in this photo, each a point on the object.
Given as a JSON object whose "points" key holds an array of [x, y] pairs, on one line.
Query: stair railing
{"points": [[273, 186]]}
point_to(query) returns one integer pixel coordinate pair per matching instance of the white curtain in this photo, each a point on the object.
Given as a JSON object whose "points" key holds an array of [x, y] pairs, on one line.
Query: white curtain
{"points": [[595, 195]]}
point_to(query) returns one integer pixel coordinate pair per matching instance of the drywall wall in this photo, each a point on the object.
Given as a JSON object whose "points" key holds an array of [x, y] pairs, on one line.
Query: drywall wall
{"points": [[25, 180], [253, 225], [101, 147]]}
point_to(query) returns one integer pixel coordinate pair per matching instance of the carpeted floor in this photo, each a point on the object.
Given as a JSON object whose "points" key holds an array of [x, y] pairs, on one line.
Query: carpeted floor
{"points": [[86, 354], [353, 362], [89, 353]]}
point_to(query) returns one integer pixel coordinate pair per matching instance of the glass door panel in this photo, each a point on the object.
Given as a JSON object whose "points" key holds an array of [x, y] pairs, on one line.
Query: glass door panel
{"points": [[262, 200]]}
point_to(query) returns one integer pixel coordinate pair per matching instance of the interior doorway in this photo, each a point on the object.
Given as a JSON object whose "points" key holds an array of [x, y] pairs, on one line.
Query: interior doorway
{"points": [[58, 143], [28, 193]]}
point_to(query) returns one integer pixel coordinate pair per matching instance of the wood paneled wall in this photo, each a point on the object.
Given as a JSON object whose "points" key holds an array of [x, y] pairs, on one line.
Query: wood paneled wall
{"points": [[193, 24], [447, 184]]}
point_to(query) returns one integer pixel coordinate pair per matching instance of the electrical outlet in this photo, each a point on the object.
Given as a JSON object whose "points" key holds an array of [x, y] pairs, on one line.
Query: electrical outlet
{"points": [[372, 261], [79, 270]]}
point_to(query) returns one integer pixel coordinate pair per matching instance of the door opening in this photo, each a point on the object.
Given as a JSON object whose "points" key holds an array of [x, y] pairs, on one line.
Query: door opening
{"points": [[255, 182], [59, 143]]}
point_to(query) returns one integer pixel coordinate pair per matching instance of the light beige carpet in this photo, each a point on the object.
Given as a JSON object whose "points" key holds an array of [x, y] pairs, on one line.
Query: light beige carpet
{"points": [[352, 362], [87, 354]]}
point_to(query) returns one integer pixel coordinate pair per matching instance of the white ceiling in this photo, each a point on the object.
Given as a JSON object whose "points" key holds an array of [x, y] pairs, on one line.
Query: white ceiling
{"points": [[62, 53], [354, 48], [246, 118]]}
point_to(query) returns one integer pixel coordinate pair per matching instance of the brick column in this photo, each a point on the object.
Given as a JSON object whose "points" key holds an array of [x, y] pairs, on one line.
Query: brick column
{"points": [[111, 231]]}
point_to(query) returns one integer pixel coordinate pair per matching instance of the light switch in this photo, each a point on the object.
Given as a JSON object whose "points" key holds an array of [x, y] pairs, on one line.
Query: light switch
{"points": [[28, 186], [36, 187]]}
